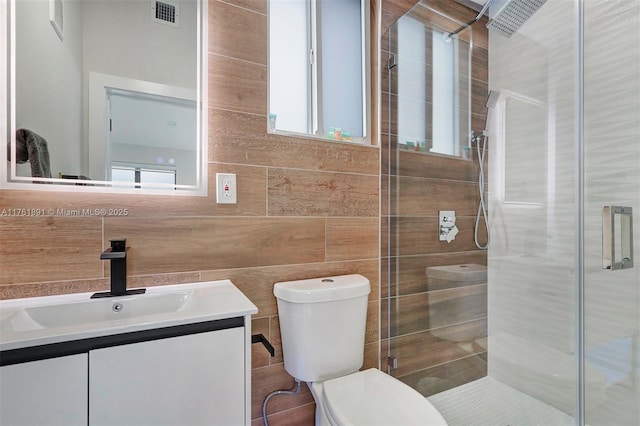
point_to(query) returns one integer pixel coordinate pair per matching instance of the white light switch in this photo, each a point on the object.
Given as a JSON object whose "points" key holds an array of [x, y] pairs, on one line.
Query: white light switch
{"points": [[226, 190]]}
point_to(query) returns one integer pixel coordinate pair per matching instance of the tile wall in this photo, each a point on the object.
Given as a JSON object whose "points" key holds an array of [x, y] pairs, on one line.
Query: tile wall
{"points": [[437, 334]]}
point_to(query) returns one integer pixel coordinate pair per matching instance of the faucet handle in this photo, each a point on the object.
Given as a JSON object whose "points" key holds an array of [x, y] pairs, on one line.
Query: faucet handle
{"points": [[118, 244]]}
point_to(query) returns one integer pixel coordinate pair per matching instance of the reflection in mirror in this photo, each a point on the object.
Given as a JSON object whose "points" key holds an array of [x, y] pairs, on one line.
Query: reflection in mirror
{"points": [[113, 90], [432, 80], [318, 68]]}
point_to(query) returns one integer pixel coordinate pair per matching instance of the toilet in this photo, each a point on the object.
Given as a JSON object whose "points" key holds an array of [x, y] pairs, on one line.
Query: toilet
{"points": [[322, 327]]}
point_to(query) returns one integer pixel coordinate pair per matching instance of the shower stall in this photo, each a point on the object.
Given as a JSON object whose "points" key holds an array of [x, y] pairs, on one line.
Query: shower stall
{"points": [[542, 327]]}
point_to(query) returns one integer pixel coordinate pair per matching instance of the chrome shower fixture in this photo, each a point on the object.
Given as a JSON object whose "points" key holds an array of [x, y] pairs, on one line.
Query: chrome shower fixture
{"points": [[447, 36], [492, 100], [481, 147], [513, 15]]}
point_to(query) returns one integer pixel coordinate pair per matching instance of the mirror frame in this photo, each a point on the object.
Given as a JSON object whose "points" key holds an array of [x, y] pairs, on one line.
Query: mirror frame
{"points": [[8, 121]]}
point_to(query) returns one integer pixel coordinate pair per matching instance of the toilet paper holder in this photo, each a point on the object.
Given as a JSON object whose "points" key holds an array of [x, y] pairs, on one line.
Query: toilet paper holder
{"points": [[259, 338]]}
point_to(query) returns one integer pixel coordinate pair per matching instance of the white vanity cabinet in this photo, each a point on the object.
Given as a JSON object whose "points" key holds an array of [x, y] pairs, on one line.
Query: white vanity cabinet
{"points": [[177, 355], [46, 392], [157, 377], [190, 380]]}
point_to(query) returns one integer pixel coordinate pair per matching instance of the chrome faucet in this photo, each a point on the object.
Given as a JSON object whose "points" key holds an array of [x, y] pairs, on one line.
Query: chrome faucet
{"points": [[117, 254]]}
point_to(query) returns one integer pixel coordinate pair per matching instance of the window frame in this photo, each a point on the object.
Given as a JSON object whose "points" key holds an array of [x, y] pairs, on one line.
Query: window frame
{"points": [[315, 120]]}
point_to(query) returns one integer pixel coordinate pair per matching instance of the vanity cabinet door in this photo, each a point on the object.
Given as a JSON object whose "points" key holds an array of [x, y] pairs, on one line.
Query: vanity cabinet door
{"points": [[48, 392], [196, 379]]}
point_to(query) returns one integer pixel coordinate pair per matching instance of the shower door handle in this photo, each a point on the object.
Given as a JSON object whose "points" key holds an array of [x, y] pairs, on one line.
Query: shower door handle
{"points": [[617, 237]]}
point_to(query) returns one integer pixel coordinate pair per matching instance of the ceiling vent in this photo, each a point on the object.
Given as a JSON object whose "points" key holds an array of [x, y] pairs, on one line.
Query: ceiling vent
{"points": [[56, 16], [165, 12]]}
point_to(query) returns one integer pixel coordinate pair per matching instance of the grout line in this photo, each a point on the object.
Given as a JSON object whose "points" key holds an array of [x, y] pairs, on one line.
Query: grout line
{"points": [[266, 192], [270, 166], [243, 8], [485, 318], [209, 107], [461, 287], [238, 59], [443, 363]]}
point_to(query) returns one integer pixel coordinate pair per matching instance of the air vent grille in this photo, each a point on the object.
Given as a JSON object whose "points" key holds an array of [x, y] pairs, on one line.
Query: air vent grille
{"points": [[165, 12]]}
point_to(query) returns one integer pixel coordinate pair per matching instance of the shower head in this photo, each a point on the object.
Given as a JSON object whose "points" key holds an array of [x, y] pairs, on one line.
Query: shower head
{"points": [[447, 36], [513, 15], [492, 99]]}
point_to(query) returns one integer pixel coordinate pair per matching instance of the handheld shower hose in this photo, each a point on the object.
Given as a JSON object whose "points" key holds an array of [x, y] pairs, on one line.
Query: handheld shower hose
{"points": [[482, 207], [481, 149]]}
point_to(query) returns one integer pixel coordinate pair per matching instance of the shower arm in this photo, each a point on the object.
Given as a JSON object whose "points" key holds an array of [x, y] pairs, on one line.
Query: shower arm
{"points": [[471, 22]]}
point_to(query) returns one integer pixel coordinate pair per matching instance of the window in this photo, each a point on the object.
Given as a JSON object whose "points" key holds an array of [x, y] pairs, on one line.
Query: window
{"points": [[318, 74]]}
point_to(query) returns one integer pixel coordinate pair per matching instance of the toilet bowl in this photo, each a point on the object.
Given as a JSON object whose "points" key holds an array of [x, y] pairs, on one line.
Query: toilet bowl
{"points": [[322, 327], [371, 398]]}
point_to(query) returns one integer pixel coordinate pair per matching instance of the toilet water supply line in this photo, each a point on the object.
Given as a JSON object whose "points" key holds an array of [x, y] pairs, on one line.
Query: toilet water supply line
{"points": [[274, 393]]}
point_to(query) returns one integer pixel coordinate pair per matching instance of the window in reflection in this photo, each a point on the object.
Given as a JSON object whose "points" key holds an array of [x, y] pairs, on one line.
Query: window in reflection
{"points": [[433, 84]]}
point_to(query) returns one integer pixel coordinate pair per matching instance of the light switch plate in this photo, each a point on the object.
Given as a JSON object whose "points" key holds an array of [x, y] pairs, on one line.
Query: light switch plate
{"points": [[226, 188]]}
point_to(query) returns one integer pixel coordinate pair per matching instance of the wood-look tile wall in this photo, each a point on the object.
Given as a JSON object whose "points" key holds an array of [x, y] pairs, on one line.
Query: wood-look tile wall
{"points": [[306, 208], [436, 333]]}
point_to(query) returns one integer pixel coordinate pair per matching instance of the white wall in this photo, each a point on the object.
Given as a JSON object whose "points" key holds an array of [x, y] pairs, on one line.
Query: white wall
{"points": [[49, 82], [121, 39]]}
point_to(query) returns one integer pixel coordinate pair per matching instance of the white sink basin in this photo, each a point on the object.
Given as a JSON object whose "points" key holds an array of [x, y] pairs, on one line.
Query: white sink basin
{"points": [[51, 319], [98, 310]]}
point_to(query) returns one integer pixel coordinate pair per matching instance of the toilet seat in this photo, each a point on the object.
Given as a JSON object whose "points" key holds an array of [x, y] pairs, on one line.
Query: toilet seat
{"points": [[372, 397]]}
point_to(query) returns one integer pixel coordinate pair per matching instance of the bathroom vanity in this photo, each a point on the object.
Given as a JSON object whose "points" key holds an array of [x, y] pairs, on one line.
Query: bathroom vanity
{"points": [[177, 354]]}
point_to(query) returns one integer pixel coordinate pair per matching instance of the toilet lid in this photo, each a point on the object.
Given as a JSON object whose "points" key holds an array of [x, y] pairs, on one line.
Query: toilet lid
{"points": [[372, 397]]}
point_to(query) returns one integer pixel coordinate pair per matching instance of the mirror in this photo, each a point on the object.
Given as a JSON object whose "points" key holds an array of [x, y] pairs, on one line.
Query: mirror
{"points": [[105, 94], [318, 69]]}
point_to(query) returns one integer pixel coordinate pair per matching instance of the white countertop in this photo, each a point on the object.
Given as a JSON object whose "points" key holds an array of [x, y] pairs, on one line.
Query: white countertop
{"points": [[21, 323]]}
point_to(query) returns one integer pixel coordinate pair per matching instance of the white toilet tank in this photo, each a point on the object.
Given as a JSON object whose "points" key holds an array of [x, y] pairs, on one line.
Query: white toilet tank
{"points": [[322, 325]]}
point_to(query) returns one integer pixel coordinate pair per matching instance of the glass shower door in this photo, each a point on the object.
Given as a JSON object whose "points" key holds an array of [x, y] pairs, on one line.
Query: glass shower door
{"points": [[611, 212], [556, 338]]}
